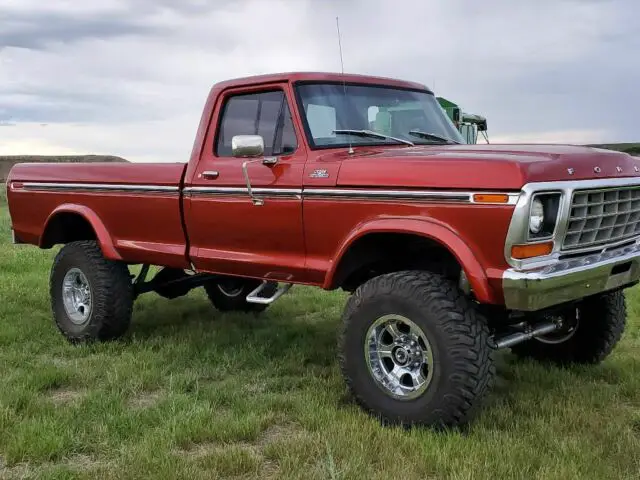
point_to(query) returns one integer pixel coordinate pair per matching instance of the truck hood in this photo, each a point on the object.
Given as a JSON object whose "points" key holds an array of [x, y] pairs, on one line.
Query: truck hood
{"points": [[481, 166]]}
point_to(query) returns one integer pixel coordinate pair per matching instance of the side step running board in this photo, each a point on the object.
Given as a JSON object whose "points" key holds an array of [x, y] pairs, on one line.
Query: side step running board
{"points": [[254, 296]]}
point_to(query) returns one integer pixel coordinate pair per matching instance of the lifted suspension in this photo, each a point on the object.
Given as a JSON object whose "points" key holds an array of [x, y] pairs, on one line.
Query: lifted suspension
{"points": [[173, 283], [169, 282], [529, 332]]}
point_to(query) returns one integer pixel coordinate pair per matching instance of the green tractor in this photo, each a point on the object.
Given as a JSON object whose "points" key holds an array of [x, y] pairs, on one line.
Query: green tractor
{"points": [[468, 124], [383, 119]]}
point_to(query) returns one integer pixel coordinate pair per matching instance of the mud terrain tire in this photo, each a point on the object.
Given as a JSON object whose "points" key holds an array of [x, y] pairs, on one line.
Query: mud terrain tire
{"points": [[462, 370], [229, 294], [601, 323], [99, 294]]}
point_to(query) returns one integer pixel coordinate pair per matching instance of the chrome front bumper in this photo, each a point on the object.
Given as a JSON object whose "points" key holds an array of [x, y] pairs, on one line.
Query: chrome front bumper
{"points": [[571, 279]]}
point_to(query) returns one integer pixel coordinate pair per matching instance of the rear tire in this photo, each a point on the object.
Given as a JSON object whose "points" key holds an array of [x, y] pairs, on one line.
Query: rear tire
{"points": [[228, 294], [434, 323], [600, 323], [91, 297]]}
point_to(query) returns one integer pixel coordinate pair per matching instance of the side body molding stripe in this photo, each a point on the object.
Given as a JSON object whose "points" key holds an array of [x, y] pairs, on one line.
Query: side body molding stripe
{"points": [[97, 187], [320, 193]]}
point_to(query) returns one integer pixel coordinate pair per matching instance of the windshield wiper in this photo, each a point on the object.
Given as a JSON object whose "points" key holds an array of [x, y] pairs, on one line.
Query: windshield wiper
{"points": [[432, 136], [369, 133]]}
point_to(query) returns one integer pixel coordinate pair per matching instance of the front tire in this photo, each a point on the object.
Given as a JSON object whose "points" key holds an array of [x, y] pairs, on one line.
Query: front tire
{"points": [[414, 351], [228, 294], [91, 297], [598, 323]]}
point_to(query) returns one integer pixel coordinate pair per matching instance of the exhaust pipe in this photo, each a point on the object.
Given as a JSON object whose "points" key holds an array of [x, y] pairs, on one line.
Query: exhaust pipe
{"points": [[519, 337]]}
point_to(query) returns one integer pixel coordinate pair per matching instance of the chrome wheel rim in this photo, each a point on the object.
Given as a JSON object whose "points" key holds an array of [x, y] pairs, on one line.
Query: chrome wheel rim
{"points": [[76, 296], [399, 357], [569, 327], [231, 288]]}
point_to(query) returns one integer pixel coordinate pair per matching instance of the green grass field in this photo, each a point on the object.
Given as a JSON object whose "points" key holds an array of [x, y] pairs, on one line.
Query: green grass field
{"points": [[191, 393], [630, 148]]}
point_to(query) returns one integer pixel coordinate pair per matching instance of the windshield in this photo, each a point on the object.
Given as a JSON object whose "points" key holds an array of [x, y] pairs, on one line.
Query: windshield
{"points": [[393, 113]]}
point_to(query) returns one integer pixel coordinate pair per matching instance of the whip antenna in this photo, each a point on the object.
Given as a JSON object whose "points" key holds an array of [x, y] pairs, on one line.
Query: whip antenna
{"points": [[344, 83]]}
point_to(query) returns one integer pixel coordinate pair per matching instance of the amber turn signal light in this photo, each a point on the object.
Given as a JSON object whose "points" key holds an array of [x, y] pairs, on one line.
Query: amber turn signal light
{"points": [[534, 250], [490, 198]]}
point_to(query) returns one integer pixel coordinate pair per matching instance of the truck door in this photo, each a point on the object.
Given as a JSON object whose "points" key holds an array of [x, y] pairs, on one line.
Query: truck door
{"points": [[229, 232]]}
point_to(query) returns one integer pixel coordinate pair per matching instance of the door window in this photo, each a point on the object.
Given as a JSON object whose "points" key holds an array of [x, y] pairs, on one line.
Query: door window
{"points": [[264, 113]]}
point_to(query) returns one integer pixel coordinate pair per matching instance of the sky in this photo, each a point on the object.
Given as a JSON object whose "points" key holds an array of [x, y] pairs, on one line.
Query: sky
{"points": [[130, 77]]}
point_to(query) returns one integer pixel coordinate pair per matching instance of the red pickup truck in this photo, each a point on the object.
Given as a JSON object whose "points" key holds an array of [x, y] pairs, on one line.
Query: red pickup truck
{"points": [[450, 251]]}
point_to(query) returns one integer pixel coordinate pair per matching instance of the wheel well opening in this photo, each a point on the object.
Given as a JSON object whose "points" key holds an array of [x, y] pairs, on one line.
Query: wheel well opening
{"points": [[379, 253], [67, 227]]}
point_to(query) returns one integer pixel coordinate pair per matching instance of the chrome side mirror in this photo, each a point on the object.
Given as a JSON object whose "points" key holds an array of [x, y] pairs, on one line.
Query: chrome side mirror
{"points": [[247, 146]]}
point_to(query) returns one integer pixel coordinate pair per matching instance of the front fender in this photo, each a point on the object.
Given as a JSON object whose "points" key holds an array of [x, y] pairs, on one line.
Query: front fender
{"points": [[102, 234], [433, 230]]}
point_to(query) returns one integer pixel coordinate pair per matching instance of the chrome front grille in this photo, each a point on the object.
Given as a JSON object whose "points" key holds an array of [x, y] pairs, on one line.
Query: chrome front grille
{"points": [[603, 216]]}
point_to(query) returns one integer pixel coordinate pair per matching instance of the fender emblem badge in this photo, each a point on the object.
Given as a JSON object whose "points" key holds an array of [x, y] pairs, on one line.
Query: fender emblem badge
{"points": [[319, 173], [570, 170]]}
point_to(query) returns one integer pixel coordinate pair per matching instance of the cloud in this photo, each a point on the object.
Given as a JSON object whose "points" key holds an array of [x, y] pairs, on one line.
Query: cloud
{"points": [[136, 139], [42, 30], [129, 77]]}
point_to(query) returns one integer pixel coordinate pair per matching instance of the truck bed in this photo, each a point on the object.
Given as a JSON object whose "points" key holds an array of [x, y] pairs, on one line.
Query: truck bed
{"points": [[134, 208]]}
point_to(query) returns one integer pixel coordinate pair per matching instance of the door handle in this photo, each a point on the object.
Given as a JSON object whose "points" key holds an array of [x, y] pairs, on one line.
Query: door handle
{"points": [[210, 174]]}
